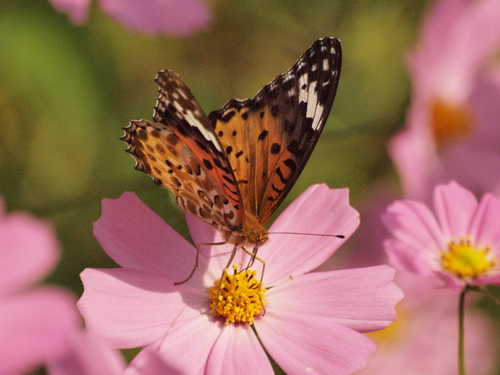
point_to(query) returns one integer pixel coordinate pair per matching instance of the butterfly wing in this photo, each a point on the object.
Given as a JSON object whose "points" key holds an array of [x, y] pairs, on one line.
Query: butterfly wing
{"points": [[181, 153], [268, 139]]}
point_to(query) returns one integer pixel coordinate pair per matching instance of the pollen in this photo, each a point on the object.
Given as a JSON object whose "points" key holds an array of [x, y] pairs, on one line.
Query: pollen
{"points": [[467, 261], [450, 122], [238, 297]]}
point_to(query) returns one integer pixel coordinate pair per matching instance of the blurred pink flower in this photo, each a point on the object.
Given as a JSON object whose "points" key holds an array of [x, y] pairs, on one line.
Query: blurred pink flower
{"points": [[34, 321], [311, 322], [452, 127], [181, 18], [40, 326], [424, 338], [87, 354], [458, 242]]}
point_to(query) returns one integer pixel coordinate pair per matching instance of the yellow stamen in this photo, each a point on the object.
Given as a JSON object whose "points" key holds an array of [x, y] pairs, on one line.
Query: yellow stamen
{"points": [[450, 123], [467, 261], [238, 297]]}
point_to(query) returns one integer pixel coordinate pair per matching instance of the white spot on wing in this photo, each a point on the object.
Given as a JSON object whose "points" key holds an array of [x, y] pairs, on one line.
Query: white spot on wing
{"points": [[314, 110], [303, 92]]}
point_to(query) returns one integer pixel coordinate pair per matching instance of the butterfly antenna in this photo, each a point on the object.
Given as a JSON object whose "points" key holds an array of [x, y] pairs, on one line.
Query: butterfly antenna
{"points": [[341, 236]]}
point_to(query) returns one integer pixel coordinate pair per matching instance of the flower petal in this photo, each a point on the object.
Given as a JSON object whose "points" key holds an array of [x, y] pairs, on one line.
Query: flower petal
{"points": [[454, 218], [214, 252], [485, 231], [178, 17], [236, 351], [137, 238], [185, 347], [417, 237], [413, 154], [484, 226], [87, 354], [77, 10], [34, 327], [132, 308], [318, 211], [28, 248], [362, 299], [314, 346], [149, 362]]}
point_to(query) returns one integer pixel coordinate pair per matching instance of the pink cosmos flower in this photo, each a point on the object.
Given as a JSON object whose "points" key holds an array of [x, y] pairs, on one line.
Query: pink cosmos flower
{"points": [[452, 130], [311, 322], [423, 340], [181, 18], [458, 241], [34, 321]]}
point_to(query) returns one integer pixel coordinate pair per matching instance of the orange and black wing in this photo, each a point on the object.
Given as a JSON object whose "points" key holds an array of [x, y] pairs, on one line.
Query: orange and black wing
{"points": [[180, 151], [268, 139]]}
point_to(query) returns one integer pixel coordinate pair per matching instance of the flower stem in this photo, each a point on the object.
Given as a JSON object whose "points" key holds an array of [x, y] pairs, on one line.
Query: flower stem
{"points": [[461, 345]]}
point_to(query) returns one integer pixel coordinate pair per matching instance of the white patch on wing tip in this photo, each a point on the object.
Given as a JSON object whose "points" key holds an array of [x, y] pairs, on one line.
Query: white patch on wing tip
{"points": [[314, 109]]}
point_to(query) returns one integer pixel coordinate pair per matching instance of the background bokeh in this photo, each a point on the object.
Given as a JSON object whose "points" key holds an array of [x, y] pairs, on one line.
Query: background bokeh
{"points": [[66, 92]]}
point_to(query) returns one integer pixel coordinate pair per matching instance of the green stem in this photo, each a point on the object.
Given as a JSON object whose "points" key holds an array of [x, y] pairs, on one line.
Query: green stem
{"points": [[461, 345]]}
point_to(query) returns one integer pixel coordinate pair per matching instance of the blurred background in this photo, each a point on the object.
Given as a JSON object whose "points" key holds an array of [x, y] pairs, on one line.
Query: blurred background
{"points": [[66, 92]]}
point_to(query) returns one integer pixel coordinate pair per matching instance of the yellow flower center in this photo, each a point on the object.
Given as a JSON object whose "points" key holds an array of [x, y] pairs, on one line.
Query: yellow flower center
{"points": [[450, 123], [238, 297], [467, 261]]}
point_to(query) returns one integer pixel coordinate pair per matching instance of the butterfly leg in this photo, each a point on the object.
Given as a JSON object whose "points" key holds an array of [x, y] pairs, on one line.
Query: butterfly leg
{"points": [[253, 257], [198, 257], [224, 271]]}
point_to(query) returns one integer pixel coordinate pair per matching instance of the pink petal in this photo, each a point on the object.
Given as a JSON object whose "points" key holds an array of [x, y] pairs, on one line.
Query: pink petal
{"points": [[454, 207], [201, 232], [236, 350], [87, 355], [314, 346], [149, 362], [28, 249], [424, 338], [137, 238], [185, 347], [76, 9], [484, 226], [486, 91], [132, 308], [362, 299], [178, 17], [417, 237], [214, 252], [485, 231], [443, 63], [319, 210], [475, 162], [34, 327]]}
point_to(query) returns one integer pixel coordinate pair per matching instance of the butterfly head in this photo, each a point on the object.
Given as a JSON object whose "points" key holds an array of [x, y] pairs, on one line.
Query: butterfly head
{"points": [[252, 234]]}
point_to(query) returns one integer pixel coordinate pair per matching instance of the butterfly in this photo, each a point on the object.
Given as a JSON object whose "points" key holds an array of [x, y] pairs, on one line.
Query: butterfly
{"points": [[234, 167]]}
